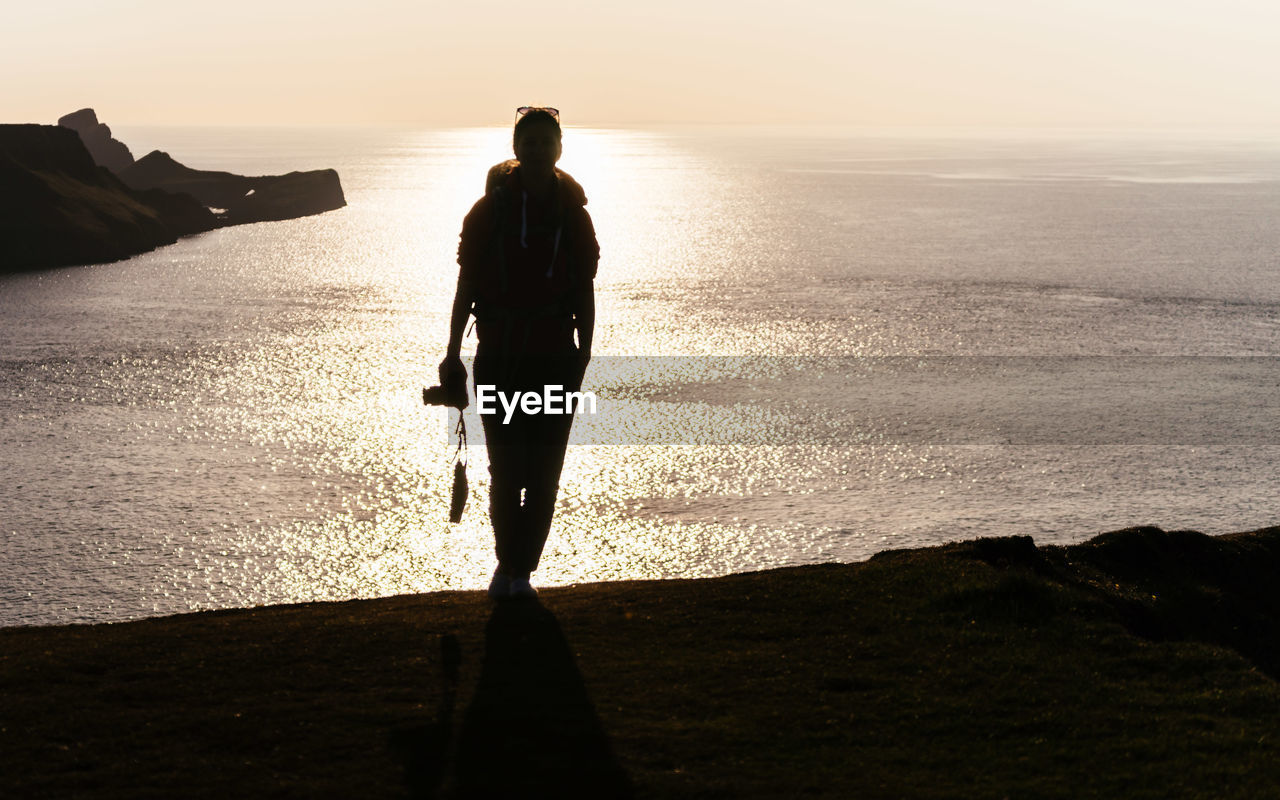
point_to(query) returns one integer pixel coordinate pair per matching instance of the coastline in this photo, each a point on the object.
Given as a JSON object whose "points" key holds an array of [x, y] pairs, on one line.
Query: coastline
{"points": [[74, 196], [1139, 663]]}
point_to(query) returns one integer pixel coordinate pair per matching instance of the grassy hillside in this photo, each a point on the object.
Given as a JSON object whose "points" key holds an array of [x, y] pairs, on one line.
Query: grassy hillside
{"points": [[1140, 664]]}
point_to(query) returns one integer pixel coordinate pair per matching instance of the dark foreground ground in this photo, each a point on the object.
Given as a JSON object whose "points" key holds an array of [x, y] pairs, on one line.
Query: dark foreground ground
{"points": [[1140, 664]]}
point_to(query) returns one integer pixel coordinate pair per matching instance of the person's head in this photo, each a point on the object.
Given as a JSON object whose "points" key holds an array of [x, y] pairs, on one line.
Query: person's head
{"points": [[536, 139]]}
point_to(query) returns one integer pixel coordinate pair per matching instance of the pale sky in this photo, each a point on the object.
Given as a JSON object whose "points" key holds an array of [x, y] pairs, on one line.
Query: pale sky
{"points": [[1003, 63]]}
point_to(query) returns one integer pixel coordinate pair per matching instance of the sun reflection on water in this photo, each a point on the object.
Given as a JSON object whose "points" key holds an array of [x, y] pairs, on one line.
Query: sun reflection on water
{"points": [[236, 419], [336, 397]]}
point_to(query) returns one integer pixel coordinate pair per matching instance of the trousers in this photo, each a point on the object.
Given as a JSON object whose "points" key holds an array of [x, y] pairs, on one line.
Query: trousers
{"points": [[526, 456]]}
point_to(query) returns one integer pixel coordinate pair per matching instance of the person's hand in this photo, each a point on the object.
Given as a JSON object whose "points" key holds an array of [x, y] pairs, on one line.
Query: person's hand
{"points": [[452, 369], [453, 379]]}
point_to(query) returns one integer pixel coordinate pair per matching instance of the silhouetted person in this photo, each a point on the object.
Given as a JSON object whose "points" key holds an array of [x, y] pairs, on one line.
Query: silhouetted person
{"points": [[527, 261]]}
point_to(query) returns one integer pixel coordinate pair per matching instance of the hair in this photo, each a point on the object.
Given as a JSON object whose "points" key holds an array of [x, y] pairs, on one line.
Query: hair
{"points": [[535, 116]]}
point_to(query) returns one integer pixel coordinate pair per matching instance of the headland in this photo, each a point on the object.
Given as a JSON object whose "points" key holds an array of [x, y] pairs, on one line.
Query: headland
{"points": [[71, 194]]}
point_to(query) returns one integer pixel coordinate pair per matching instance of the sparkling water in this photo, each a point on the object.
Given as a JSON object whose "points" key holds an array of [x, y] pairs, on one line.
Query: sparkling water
{"points": [[818, 344]]}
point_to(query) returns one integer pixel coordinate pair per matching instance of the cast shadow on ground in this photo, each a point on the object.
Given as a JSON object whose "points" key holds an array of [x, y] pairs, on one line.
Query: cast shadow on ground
{"points": [[530, 729]]}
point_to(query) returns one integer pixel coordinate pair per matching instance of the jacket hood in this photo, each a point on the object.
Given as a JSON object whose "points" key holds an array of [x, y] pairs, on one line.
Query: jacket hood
{"points": [[504, 174]]}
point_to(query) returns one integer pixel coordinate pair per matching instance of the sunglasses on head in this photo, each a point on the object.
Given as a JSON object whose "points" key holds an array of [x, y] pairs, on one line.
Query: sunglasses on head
{"points": [[554, 112]]}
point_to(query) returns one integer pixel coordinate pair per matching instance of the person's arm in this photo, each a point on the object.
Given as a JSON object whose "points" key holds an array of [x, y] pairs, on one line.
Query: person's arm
{"points": [[451, 368], [464, 297], [584, 322], [584, 300], [584, 319], [463, 300]]}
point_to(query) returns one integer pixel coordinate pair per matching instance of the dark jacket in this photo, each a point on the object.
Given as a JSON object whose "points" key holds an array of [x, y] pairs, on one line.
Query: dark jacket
{"points": [[523, 262]]}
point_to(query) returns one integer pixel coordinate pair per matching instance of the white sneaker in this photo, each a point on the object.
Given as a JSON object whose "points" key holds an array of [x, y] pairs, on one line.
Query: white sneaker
{"points": [[500, 586], [521, 589]]}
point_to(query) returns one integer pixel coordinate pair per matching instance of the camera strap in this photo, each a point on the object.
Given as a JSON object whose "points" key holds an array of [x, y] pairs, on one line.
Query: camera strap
{"points": [[458, 497], [461, 432]]}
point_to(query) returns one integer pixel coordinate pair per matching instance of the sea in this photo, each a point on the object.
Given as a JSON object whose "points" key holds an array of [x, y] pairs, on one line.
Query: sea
{"points": [[812, 345]]}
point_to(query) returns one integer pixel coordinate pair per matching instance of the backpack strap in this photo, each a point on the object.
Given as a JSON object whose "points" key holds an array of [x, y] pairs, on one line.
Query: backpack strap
{"points": [[499, 229]]}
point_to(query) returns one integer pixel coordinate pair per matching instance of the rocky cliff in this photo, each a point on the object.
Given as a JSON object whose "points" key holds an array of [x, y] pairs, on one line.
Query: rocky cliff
{"points": [[59, 208], [72, 194], [238, 199], [106, 150]]}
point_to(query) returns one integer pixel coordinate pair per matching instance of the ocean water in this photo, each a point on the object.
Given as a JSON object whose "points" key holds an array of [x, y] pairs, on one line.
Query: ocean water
{"points": [[813, 345]]}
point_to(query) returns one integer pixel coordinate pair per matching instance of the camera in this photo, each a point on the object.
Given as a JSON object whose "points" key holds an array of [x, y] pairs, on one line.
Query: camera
{"points": [[453, 395], [452, 390]]}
